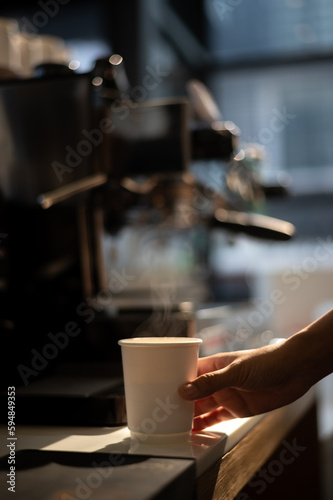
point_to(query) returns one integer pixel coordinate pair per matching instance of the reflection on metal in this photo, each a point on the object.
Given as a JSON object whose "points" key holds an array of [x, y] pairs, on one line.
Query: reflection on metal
{"points": [[47, 200]]}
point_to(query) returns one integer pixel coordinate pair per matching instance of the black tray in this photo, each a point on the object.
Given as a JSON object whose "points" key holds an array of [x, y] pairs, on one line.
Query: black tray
{"points": [[49, 475]]}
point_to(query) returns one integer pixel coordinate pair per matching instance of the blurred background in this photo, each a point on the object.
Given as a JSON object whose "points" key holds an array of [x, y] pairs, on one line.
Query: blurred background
{"points": [[269, 66]]}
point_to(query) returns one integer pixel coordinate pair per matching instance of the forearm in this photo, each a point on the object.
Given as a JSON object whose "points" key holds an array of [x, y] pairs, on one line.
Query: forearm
{"points": [[312, 349]]}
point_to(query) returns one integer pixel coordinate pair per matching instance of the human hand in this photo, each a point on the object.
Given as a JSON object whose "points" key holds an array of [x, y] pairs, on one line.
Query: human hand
{"points": [[246, 383]]}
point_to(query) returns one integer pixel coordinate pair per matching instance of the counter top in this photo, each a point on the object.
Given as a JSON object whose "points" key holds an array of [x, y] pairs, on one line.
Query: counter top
{"points": [[194, 458], [204, 447]]}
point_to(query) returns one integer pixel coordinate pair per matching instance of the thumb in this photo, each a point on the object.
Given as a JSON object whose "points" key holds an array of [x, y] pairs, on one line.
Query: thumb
{"points": [[208, 383]]}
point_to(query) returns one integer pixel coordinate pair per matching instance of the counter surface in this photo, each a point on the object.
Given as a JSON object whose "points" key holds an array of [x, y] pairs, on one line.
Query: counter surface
{"points": [[191, 459]]}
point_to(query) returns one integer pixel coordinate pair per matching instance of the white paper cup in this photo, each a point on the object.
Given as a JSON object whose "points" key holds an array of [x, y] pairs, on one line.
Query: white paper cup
{"points": [[154, 368]]}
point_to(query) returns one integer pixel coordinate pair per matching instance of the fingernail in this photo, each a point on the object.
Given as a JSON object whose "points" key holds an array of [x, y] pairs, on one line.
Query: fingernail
{"points": [[190, 390]]}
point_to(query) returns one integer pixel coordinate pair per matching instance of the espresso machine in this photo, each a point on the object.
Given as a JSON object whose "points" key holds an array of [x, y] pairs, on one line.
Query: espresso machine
{"points": [[103, 230]]}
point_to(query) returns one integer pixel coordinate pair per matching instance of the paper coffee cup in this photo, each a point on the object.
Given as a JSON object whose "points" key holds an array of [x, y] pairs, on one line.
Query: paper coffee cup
{"points": [[154, 368]]}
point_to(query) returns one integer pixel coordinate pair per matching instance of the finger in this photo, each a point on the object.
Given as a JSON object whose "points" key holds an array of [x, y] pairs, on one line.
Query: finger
{"points": [[212, 418], [207, 364], [215, 362], [209, 383], [228, 398], [205, 406]]}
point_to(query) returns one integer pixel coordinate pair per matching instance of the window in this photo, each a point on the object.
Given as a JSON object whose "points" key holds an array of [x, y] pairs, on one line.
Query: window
{"points": [[272, 76], [240, 29]]}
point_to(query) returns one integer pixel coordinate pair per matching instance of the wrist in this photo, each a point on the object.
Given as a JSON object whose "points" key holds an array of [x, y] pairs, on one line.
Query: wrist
{"points": [[312, 350]]}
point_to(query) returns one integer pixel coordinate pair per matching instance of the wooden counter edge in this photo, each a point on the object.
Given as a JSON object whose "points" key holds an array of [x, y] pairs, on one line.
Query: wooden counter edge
{"points": [[226, 478]]}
